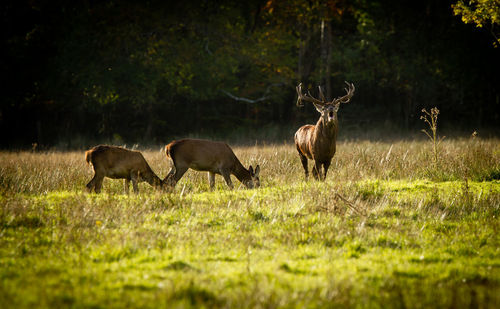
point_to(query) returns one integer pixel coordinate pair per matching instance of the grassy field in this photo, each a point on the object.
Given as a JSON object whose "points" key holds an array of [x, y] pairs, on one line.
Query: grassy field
{"points": [[387, 229]]}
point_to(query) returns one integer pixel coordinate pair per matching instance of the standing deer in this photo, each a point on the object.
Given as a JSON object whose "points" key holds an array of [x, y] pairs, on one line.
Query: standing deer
{"points": [[209, 156], [317, 142], [119, 163]]}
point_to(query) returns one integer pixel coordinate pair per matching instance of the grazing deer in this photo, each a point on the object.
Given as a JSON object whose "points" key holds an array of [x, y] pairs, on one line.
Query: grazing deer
{"points": [[119, 163], [317, 142], [211, 157]]}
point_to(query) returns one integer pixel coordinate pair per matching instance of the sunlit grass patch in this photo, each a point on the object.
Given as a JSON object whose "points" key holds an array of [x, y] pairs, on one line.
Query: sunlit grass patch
{"points": [[423, 186], [377, 233]]}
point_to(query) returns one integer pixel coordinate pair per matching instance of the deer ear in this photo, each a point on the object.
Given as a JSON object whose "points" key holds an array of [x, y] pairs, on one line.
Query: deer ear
{"points": [[257, 170], [250, 169], [319, 108]]}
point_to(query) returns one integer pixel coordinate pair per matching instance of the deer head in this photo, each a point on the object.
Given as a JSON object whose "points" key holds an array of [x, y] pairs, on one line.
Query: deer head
{"points": [[327, 109]]}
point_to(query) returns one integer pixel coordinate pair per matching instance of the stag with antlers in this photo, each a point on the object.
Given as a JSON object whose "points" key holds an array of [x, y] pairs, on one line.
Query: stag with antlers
{"points": [[317, 142]]}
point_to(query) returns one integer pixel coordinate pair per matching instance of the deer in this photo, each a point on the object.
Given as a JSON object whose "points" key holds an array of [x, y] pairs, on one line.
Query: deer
{"points": [[208, 156], [119, 163], [318, 142]]}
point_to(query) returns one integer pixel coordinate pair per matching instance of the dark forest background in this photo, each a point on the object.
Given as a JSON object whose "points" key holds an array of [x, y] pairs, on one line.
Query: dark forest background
{"points": [[82, 72]]}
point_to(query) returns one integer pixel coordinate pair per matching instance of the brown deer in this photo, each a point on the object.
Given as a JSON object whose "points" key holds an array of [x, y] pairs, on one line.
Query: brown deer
{"points": [[119, 163], [211, 157], [317, 142]]}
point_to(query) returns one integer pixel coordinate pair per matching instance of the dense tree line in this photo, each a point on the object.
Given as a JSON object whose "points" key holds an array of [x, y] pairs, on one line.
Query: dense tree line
{"points": [[149, 71]]}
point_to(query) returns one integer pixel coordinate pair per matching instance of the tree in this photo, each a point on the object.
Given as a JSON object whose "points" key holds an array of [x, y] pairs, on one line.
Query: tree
{"points": [[127, 71], [483, 13]]}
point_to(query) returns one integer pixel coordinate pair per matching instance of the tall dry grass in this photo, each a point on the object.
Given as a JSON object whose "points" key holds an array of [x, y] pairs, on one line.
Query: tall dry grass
{"points": [[474, 159]]}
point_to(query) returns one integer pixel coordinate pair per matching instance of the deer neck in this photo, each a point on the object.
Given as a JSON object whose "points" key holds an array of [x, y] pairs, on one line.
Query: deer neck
{"points": [[150, 177], [326, 129], [241, 173]]}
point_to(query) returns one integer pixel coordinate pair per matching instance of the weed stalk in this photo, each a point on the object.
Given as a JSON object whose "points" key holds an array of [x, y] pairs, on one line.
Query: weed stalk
{"points": [[431, 118]]}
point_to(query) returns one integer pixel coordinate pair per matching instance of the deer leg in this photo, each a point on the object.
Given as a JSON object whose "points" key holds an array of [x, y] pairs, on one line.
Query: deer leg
{"points": [[211, 180], [134, 186], [317, 170], [171, 173], [227, 178], [98, 184], [326, 165], [91, 184], [179, 172], [134, 177], [303, 159], [126, 185], [169, 179]]}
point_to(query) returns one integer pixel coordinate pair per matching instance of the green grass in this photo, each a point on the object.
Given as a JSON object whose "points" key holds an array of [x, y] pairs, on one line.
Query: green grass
{"points": [[386, 230]]}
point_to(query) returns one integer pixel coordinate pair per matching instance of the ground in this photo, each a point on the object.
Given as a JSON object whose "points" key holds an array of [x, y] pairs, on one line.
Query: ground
{"points": [[386, 229]]}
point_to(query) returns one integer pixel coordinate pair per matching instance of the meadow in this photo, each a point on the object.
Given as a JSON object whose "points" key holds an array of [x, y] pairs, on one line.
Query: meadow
{"points": [[387, 229]]}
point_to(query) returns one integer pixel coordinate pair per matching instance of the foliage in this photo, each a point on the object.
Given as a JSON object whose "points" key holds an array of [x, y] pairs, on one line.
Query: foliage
{"points": [[87, 72], [483, 13]]}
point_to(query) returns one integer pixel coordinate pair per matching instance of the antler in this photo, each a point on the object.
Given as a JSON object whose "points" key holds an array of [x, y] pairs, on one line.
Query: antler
{"points": [[348, 96], [321, 94], [308, 97]]}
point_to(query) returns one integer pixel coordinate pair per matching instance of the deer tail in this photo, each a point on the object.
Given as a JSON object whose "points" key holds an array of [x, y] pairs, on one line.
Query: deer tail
{"points": [[169, 152], [166, 150], [170, 149], [88, 156]]}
